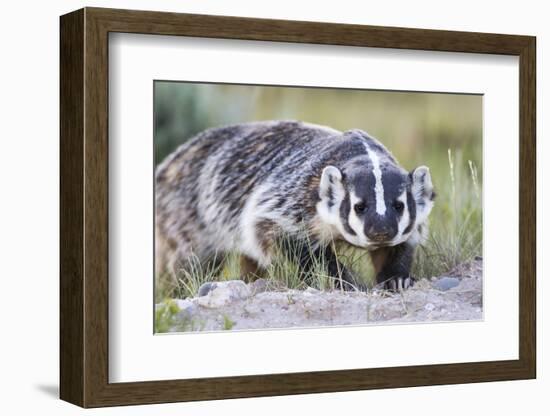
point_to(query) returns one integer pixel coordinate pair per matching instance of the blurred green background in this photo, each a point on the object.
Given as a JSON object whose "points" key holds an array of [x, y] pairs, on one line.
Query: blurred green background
{"points": [[417, 127], [442, 131]]}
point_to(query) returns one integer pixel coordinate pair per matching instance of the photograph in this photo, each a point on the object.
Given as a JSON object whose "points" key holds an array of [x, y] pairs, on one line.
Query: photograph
{"points": [[236, 188], [301, 207]]}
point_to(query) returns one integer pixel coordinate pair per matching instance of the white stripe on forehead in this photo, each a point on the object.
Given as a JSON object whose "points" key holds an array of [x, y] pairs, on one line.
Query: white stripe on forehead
{"points": [[378, 187]]}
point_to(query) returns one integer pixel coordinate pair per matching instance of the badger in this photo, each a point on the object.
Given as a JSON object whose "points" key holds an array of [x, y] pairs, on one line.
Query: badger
{"points": [[240, 188]]}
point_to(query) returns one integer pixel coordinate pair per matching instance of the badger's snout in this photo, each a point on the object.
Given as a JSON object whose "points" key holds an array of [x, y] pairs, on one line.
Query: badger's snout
{"points": [[380, 233]]}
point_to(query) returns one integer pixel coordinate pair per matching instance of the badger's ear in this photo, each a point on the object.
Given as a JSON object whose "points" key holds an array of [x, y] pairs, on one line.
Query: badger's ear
{"points": [[331, 188], [423, 192], [422, 187]]}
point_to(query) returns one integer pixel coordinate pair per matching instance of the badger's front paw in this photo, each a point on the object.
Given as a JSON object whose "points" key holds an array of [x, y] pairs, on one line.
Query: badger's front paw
{"points": [[396, 284]]}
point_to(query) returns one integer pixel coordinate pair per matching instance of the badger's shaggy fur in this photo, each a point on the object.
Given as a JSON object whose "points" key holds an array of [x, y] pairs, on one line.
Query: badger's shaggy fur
{"points": [[240, 188]]}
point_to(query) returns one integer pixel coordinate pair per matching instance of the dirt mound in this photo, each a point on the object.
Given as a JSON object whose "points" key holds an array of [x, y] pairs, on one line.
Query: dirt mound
{"points": [[235, 305]]}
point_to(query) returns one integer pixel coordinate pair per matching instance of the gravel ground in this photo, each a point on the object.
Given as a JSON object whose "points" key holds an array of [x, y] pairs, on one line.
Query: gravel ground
{"points": [[235, 305]]}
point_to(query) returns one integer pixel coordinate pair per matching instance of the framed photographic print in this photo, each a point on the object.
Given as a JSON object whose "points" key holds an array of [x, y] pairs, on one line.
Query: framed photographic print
{"points": [[255, 207]]}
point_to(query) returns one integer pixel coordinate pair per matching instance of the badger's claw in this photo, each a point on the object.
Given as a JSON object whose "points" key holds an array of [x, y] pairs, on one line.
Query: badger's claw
{"points": [[397, 284]]}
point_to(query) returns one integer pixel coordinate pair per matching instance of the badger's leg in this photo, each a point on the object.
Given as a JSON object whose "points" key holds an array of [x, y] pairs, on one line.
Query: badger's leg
{"points": [[256, 248], [250, 269], [310, 254], [344, 278], [183, 258], [393, 266], [163, 252], [180, 258], [169, 257]]}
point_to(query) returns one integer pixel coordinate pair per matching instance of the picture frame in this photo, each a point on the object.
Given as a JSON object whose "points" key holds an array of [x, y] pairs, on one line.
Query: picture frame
{"points": [[84, 216]]}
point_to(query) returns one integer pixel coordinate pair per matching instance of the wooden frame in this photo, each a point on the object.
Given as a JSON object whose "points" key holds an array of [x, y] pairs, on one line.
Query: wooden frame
{"points": [[84, 207]]}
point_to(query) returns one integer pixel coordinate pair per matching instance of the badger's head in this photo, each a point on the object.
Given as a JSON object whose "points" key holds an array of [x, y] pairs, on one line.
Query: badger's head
{"points": [[374, 204]]}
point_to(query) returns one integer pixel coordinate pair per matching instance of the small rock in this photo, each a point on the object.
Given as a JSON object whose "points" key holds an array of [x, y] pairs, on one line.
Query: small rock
{"points": [[446, 283], [223, 293], [184, 303], [258, 286], [429, 307], [187, 308], [206, 288]]}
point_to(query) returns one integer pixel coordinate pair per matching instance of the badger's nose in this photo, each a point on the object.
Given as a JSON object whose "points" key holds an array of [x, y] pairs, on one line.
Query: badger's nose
{"points": [[381, 233]]}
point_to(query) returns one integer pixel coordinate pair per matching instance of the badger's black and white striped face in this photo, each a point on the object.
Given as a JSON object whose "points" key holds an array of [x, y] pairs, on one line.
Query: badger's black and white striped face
{"points": [[374, 204]]}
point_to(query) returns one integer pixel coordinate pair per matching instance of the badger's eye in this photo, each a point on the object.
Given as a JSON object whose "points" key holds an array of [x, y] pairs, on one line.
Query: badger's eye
{"points": [[360, 207], [399, 206]]}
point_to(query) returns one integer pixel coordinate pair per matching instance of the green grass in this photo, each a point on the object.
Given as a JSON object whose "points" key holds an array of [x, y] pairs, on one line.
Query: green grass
{"points": [[193, 273], [165, 316], [283, 273], [456, 232], [167, 319], [228, 324], [455, 236]]}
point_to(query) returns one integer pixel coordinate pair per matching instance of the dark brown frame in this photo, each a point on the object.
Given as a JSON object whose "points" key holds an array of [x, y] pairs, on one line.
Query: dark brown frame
{"points": [[84, 208]]}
